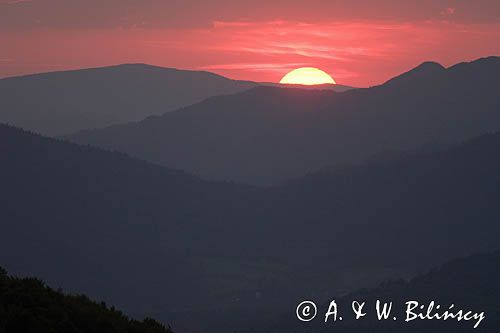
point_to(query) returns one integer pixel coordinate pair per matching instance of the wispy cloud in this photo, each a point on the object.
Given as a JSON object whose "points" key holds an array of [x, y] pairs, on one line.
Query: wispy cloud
{"points": [[359, 53], [257, 67], [13, 2], [333, 41]]}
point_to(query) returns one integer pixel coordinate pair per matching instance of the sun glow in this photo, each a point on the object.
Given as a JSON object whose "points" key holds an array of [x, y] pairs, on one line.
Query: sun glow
{"points": [[307, 76]]}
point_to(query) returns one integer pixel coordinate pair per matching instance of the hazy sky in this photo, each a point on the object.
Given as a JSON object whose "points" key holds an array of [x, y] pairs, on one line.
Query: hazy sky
{"points": [[359, 42]]}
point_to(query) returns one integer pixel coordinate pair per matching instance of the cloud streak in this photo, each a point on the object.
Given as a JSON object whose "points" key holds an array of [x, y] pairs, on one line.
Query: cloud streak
{"points": [[13, 2], [359, 53]]}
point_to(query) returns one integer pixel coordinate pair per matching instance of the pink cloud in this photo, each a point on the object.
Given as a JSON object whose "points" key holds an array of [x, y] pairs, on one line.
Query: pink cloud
{"points": [[359, 53], [13, 2], [450, 10]]}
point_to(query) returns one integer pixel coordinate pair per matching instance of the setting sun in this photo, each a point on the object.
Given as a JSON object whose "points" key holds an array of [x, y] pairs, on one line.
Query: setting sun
{"points": [[307, 76]]}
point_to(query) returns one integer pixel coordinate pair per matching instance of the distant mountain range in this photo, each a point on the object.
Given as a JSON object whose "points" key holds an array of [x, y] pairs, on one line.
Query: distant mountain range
{"points": [[266, 135], [221, 256], [64, 102]]}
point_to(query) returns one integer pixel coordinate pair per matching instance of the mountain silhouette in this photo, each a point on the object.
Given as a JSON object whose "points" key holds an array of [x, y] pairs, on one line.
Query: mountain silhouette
{"points": [[266, 135], [58, 103], [424, 72], [220, 256], [325, 86], [63, 102]]}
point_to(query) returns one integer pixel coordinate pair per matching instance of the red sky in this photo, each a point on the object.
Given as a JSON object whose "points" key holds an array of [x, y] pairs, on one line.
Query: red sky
{"points": [[358, 42]]}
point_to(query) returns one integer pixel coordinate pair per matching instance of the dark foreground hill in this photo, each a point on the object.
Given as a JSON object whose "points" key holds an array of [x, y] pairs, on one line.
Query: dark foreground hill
{"points": [[470, 284], [28, 305], [216, 256], [266, 134], [64, 102]]}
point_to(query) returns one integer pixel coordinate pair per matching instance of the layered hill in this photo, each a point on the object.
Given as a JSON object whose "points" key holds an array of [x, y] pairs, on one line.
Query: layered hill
{"points": [[103, 223], [63, 102], [266, 135], [218, 256]]}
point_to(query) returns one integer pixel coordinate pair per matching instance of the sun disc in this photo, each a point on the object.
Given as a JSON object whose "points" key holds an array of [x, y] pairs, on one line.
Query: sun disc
{"points": [[307, 76]]}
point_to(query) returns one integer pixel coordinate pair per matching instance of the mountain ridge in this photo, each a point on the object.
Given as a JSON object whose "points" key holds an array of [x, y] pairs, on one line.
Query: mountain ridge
{"points": [[66, 101], [423, 71], [131, 65], [266, 135], [94, 213]]}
